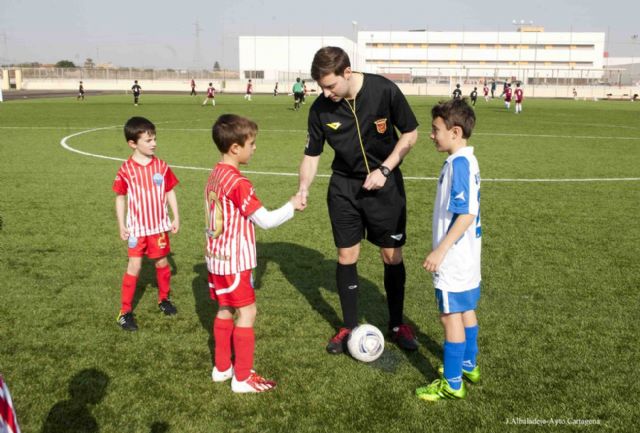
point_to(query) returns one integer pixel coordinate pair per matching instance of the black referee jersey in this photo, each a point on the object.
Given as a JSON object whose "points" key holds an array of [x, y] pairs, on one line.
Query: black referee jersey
{"points": [[380, 108]]}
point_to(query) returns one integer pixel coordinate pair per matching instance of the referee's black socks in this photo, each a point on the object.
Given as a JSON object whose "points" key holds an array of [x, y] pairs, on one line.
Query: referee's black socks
{"points": [[394, 279], [347, 283]]}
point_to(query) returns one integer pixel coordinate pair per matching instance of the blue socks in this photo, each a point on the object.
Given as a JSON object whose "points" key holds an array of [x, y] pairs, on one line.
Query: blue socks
{"points": [[453, 356], [471, 348]]}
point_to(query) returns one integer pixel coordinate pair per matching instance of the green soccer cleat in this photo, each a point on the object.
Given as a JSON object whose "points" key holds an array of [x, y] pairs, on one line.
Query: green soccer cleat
{"points": [[439, 389], [472, 376]]}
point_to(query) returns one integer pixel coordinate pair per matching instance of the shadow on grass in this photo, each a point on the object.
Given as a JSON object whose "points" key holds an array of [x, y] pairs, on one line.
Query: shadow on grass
{"points": [[206, 308], [87, 388], [311, 273]]}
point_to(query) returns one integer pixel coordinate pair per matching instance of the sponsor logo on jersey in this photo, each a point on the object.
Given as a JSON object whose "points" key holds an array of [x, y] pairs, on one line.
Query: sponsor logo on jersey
{"points": [[352, 287], [397, 237], [381, 125], [334, 125], [157, 179]]}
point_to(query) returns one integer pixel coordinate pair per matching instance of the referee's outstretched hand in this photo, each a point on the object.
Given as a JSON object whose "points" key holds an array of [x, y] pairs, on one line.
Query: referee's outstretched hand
{"points": [[296, 201], [302, 194]]}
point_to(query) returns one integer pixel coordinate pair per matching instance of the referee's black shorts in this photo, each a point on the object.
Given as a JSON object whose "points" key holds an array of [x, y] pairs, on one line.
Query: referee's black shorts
{"points": [[380, 215]]}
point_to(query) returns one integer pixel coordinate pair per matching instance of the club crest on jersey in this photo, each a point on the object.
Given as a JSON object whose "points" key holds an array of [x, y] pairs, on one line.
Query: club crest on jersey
{"points": [[133, 241], [157, 179], [381, 125], [334, 125], [162, 241]]}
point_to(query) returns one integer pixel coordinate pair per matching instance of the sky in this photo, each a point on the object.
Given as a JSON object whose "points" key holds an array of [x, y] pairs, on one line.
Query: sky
{"points": [[198, 33]]}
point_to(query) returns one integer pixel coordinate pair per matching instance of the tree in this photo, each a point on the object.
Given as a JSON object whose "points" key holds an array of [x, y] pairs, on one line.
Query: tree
{"points": [[65, 64], [216, 66]]}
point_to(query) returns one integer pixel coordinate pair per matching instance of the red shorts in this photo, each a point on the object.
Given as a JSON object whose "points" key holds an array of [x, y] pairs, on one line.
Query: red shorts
{"points": [[153, 246], [235, 290]]}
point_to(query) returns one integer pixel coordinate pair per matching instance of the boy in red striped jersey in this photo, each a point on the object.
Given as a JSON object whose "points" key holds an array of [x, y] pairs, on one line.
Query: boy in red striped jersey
{"points": [[232, 209], [144, 185]]}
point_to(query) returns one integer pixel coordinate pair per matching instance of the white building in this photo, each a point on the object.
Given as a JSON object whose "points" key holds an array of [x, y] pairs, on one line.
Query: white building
{"points": [[283, 58], [530, 55]]}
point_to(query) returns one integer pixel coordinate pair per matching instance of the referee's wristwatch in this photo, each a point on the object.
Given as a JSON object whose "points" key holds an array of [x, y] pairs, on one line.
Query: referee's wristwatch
{"points": [[386, 172]]}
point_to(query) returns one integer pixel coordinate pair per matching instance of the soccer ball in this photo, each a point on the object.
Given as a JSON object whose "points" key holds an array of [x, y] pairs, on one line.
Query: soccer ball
{"points": [[366, 343]]}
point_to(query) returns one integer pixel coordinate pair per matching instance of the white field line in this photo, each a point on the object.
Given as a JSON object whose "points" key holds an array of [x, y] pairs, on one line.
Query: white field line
{"points": [[64, 144]]}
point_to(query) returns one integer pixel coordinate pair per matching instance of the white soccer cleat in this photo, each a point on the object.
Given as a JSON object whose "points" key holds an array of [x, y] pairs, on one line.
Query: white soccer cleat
{"points": [[221, 376], [254, 383]]}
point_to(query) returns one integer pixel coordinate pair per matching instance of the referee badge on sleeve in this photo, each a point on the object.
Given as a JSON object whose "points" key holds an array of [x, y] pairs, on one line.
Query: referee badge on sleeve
{"points": [[381, 125]]}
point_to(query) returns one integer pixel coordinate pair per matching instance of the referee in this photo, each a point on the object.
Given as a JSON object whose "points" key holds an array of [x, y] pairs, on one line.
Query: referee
{"points": [[357, 114]]}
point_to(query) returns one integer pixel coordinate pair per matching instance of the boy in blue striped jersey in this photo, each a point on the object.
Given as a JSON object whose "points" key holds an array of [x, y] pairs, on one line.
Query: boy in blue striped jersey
{"points": [[455, 258]]}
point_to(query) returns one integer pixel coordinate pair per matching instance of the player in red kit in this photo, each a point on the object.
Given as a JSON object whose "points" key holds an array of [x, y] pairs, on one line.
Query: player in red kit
{"points": [[232, 209], [144, 185], [193, 87], [249, 91], [485, 91], [519, 96], [211, 95], [507, 96]]}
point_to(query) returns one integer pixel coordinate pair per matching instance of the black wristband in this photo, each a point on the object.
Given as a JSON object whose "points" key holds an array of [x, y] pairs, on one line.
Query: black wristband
{"points": [[386, 172]]}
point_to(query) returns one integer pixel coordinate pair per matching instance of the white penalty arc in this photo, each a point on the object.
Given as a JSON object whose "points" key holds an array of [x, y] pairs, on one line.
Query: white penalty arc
{"points": [[65, 145]]}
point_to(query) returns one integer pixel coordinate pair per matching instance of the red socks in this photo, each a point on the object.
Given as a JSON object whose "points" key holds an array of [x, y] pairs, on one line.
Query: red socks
{"points": [[163, 276], [244, 345], [128, 290], [222, 330]]}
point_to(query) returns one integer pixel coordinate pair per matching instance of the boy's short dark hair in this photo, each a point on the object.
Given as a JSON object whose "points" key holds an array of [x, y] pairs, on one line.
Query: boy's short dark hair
{"points": [[328, 60], [456, 112], [230, 129], [136, 126]]}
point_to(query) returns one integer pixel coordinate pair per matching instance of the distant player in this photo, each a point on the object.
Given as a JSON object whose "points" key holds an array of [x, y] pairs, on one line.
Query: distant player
{"points": [[144, 186], [507, 96], [193, 87], [485, 90], [136, 89], [249, 91], [575, 94], [80, 92], [493, 89], [304, 92], [474, 96], [454, 260], [505, 86], [275, 89], [457, 93], [298, 94], [519, 97], [232, 209], [211, 95]]}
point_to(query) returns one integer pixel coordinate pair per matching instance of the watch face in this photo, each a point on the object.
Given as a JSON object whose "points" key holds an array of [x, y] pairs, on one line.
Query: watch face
{"points": [[385, 171]]}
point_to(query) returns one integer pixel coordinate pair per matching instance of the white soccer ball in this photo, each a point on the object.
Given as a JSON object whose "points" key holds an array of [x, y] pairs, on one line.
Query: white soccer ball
{"points": [[366, 343]]}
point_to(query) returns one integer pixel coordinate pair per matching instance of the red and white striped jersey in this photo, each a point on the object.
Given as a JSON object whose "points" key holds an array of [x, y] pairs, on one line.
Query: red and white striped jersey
{"points": [[231, 240], [146, 188], [8, 421]]}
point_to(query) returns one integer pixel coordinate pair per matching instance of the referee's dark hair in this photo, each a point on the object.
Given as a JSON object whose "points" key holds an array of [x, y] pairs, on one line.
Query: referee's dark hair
{"points": [[230, 129], [136, 126], [456, 112], [329, 60]]}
